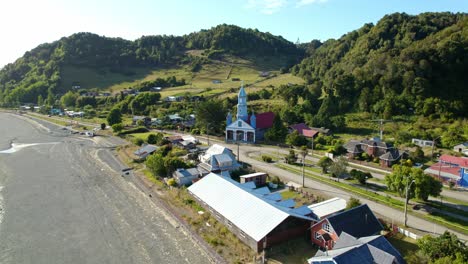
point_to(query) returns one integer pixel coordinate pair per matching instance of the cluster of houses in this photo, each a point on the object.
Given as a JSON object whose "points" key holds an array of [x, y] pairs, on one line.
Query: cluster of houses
{"points": [[450, 169], [261, 218]]}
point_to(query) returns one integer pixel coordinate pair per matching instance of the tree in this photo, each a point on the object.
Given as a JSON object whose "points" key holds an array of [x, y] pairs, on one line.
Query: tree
{"points": [[114, 116], [446, 245], [423, 187], [291, 158], [103, 126], [155, 163], [40, 100], [338, 168], [117, 127], [278, 131], [211, 114], [50, 97], [295, 139], [353, 202], [69, 99], [154, 138], [89, 111], [173, 163], [143, 101], [360, 176], [325, 163]]}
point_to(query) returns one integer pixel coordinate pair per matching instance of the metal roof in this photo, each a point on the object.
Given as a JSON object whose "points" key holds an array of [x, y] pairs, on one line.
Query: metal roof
{"points": [[328, 207], [254, 216]]}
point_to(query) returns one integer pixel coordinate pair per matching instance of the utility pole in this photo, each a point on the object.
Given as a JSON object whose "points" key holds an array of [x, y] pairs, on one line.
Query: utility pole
{"points": [[406, 201], [208, 134], [433, 145], [238, 151]]}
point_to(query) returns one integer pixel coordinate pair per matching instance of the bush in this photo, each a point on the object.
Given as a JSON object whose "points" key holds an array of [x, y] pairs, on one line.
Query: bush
{"points": [[171, 182], [117, 127], [134, 130], [138, 141], [154, 138], [266, 158], [103, 126]]}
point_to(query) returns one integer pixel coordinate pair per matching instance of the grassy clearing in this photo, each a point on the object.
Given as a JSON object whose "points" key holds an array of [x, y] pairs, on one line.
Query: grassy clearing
{"points": [[143, 136], [293, 251], [405, 245], [90, 78], [289, 195]]}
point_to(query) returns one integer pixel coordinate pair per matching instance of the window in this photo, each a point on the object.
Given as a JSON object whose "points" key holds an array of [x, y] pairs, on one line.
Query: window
{"points": [[326, 227], [318, 236], [242, 234], [239, 124]]}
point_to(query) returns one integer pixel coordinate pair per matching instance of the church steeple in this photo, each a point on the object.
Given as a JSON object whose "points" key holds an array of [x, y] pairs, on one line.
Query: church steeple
{"points": [[242, 104]]}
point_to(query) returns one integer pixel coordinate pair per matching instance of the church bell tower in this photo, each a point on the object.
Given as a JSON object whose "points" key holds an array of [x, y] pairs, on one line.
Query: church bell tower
{"points": [[242, 104]]}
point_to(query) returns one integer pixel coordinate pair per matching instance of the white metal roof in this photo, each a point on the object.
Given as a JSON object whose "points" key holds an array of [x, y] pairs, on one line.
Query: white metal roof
{"points": [[328, 207], [251, 175], [252, 215]]}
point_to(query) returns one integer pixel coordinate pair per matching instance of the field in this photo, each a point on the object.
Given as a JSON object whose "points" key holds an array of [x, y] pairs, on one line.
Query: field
{"points": [[216, 78]]}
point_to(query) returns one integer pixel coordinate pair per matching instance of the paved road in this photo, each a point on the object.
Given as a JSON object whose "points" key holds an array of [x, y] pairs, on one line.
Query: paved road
{"points": [[60, 204]]}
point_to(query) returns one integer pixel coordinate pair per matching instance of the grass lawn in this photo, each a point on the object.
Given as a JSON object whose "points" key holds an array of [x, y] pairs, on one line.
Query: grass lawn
{"points": [[143, 136], [289, 194], [406, 245]]}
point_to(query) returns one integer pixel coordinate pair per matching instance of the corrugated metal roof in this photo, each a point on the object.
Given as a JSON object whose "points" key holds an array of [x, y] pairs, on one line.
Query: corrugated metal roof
{"points": [[290, 203], [254, 216], [328, 207], [249, 185]]}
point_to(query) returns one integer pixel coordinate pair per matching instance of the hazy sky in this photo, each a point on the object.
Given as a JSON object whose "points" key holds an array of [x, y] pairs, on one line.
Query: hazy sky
{"points": [[24, 24]]}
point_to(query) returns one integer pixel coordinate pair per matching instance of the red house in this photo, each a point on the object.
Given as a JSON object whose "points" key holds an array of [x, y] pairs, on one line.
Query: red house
{"points": [[358, 222]]}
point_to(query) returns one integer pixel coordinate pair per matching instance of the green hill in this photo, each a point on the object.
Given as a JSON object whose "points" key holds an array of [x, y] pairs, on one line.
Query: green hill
{"points": [[402, 65], [95, 62]]}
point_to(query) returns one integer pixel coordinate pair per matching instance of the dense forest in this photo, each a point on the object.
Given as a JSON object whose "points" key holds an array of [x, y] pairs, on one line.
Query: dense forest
{"points": [[402, 65], [38, 72]]}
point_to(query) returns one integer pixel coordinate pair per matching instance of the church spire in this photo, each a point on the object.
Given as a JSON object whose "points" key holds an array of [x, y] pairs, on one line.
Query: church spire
{"points": [[242, 104]]}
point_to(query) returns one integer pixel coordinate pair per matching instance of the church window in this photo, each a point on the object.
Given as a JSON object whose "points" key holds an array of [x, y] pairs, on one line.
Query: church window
{"points": [[239, 124]]}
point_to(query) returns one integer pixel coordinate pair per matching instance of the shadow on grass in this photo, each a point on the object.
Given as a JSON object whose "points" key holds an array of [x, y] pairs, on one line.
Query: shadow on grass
{"points": [[406, 246]]}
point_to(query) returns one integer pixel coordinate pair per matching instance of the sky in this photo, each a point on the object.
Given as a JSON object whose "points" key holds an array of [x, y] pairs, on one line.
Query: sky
{"points": [[24, 24]]}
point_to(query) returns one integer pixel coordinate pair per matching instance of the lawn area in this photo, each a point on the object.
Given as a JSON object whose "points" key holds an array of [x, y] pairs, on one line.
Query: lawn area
{"points": [[406, 245], [143, 136], [289, 195]]}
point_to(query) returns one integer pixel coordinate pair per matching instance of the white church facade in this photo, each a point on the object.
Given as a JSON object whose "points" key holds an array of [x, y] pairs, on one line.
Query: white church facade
{"points": [[245, 128]]}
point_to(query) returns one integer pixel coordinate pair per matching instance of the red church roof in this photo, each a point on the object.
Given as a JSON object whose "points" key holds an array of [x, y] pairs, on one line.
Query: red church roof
{"points": [[264, 120]]}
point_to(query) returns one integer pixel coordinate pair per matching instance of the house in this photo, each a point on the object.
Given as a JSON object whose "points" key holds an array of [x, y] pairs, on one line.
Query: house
{"points": [[256, 220], [174, 139], [322, 130], [358, 222], [328, 207], [450, 169], [173, 99], [264, 74], [145, 151], [259, 178], [185, 177], [304, 130], [422, 143], [390, 158], [146, 120], [247, 128], [56, 111], [175, 118], [374, 148], [349, 249], [218, 159], [462, 147]]}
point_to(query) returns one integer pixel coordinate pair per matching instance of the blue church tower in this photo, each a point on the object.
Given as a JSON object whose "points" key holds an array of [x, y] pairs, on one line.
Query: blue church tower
{"points": [[242, 105], [228, 119], [253, 120]]}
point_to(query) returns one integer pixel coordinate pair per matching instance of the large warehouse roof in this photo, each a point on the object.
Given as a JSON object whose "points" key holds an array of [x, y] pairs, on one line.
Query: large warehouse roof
{"points": [[248, 211]]}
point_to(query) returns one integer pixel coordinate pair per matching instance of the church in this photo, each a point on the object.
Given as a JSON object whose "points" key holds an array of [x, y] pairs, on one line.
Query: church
{"points": [[247, 128]]}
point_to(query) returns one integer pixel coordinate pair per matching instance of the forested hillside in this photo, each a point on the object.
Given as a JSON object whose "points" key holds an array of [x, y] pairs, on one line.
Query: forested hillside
{"points": [[40, 71], [402, 65]]}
